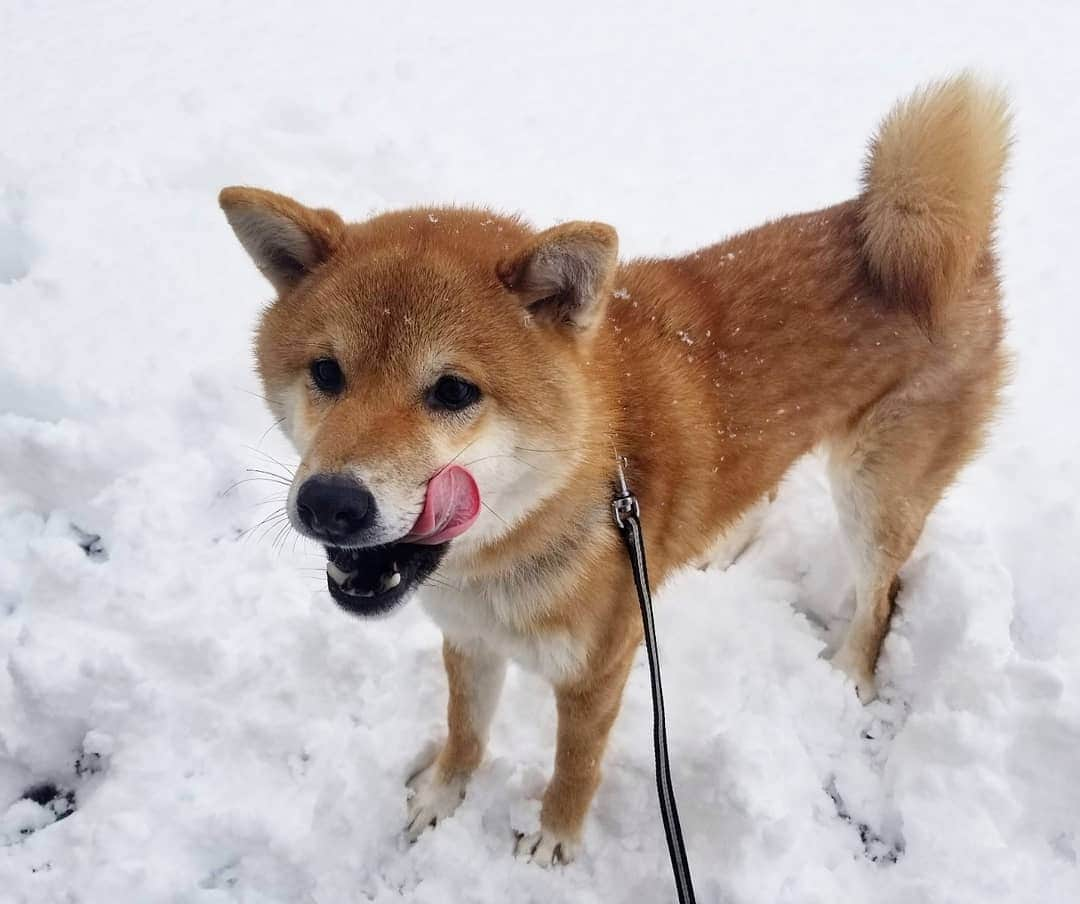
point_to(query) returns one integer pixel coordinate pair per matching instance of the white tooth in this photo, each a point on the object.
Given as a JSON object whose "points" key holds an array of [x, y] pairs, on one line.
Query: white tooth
{"points": [[339, 576], [390, 581]]}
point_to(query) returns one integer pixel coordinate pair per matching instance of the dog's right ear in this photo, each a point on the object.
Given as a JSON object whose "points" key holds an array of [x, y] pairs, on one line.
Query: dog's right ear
{"points": [[285, 239]]}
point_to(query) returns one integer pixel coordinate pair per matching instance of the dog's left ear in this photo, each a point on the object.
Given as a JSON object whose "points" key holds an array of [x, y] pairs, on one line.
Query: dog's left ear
{"points": [[285, 239], [563, 274]]}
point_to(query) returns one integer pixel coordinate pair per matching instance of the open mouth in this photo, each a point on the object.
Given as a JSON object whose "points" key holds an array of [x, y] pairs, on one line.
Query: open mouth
{"points": [[374, 580]]}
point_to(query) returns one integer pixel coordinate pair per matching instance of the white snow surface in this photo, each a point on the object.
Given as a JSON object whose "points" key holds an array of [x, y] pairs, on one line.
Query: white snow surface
{"points": [[228, 733]]}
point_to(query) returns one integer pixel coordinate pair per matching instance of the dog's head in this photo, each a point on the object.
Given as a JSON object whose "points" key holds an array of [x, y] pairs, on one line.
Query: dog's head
{"points": [[431, 368]]}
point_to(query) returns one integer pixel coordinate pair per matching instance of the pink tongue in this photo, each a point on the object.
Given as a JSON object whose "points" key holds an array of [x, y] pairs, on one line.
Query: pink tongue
{"points": [[451, 506]]}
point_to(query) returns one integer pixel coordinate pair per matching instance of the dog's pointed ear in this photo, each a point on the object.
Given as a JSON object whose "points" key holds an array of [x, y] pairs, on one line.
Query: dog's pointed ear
{"points": [[285, 239], [563, 274]]}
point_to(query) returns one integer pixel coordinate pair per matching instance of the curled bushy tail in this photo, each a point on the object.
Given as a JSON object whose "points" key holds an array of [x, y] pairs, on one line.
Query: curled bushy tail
{"points": [[930, 185]]}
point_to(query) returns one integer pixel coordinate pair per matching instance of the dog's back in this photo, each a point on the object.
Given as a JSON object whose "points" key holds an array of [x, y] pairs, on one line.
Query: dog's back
{"points": [[872, 327]]}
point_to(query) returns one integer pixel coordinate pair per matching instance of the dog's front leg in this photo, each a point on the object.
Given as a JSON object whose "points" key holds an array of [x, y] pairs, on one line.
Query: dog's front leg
{"points": [[586, 711], [475, 676]]}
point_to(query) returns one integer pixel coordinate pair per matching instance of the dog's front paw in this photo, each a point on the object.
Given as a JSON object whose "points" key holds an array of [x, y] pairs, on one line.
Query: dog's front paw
{"points": [[861, 673], [546, 848], [431, 798]]}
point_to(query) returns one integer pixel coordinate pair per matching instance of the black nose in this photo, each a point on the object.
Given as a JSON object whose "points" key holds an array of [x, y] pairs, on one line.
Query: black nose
{"points": [[335, 507]]}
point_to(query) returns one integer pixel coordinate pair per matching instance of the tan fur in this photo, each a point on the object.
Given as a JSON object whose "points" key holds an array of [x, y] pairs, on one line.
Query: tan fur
{"points": [[712, 373]]}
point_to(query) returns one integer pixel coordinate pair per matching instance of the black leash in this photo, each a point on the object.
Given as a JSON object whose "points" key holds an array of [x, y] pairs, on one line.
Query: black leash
{"points": [[628, 519]]}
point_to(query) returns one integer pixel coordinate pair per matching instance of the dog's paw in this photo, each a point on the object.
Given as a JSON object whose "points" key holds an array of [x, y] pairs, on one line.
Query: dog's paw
{"points": [[431, 799], [546, 848], [861, 674]]}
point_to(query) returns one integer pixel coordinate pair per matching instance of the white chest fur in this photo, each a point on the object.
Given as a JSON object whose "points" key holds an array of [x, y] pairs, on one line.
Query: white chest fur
{"points": [[501, 618]]}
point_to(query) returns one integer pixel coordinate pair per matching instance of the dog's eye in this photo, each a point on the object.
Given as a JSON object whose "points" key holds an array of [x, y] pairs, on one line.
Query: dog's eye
{"points": [[327, 376], [452, 394]]}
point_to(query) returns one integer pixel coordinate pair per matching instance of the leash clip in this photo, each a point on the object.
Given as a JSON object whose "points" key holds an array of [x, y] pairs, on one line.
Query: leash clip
{"points": [[625, 504]]}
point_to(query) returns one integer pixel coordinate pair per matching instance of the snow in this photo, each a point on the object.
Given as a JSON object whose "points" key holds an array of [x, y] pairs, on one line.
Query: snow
{"points": [[228, 733]]}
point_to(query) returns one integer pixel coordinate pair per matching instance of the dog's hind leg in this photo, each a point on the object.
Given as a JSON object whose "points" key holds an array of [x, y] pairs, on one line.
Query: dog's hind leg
{"points": [[886, 474]]}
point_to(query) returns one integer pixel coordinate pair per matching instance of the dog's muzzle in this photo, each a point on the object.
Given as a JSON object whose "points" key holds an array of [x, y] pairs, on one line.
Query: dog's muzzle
{"points": [[372, 580]]}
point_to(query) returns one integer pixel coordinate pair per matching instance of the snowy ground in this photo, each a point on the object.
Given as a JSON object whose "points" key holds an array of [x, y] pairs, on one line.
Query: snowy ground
{"points": [[226, 734]]}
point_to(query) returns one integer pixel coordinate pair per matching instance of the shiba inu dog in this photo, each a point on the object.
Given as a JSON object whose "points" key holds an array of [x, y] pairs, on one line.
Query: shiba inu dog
{"points": [[458, 386]]}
